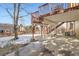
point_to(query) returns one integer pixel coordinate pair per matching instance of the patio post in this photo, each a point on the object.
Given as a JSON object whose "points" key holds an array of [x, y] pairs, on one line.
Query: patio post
{"points": [[33, 31], [74, 29], [66, 28], [41, 30]]}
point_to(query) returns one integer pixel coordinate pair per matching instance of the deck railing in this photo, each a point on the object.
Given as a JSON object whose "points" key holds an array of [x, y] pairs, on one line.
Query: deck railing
{"points": [[35, 17], [51, 9]]}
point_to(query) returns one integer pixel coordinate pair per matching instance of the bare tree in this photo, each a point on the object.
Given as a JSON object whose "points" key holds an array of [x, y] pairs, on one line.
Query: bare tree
{"points": [[16, 17]]}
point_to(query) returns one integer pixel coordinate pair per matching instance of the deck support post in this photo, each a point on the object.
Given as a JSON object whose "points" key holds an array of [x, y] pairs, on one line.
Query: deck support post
{"points": [[74, 29], [66, 29], [41, 30], [33, 31]]}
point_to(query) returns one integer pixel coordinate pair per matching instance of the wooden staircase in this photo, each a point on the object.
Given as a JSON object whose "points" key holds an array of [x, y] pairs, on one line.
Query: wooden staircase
{"points": [[56, 27]]}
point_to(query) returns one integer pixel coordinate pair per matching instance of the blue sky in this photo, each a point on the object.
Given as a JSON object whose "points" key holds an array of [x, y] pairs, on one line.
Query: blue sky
{"points": [[29, 7], [5, 18]]}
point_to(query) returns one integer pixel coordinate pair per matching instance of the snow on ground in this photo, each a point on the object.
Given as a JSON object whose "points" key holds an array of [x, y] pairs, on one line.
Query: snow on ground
{"points": [[11, 54], [65, 46], [23, 39], [32, 49], [4, 41]]}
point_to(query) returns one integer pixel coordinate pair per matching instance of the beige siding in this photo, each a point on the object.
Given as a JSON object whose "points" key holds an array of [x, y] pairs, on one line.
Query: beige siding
{"points": [[77, 29]]}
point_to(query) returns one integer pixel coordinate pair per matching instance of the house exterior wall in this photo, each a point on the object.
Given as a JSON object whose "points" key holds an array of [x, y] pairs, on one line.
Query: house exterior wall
{"points": [[66, 27], [6, 28], [77, 28]]}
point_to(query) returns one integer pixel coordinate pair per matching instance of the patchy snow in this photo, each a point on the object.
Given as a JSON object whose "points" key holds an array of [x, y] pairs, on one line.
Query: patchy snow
{"points": [[5, 41], [32, 49], [11, 54], [23, 39]]}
